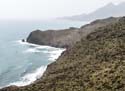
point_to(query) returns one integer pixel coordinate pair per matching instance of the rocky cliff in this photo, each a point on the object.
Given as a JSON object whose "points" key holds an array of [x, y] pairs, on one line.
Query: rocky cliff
{"points": [[66, 37], [56, 38], [96, 63]]}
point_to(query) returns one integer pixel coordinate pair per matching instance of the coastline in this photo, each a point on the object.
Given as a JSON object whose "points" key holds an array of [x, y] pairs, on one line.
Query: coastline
{"points": [[82, 66], [30, 78], [72, 31]]}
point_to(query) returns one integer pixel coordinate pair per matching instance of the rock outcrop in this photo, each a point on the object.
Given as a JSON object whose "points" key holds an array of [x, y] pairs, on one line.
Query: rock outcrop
{"points": [[66, 37], [96, 63]]}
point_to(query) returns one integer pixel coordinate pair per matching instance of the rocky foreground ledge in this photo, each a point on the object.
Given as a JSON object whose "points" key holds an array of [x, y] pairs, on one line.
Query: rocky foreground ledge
{"points": [[95, 63]]}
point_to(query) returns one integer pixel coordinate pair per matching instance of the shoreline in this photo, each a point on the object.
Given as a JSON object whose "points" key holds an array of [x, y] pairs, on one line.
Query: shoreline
{"points": [[30, 78], [86, 64]]}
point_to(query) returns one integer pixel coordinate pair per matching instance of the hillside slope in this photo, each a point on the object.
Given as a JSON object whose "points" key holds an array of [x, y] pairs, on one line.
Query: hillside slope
{"points": [[96, 63]]}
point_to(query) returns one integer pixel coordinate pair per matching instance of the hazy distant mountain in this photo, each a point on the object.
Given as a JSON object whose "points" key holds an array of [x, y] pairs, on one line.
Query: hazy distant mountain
{"points": [[104, 12]]}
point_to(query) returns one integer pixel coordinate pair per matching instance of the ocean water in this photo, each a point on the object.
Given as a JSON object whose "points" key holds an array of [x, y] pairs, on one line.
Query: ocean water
{"points": [[23, 63]]}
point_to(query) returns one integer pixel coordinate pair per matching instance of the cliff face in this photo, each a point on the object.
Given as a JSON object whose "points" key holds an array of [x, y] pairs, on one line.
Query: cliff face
{"points": [[66, 37], [56, 38], [96, 63]]}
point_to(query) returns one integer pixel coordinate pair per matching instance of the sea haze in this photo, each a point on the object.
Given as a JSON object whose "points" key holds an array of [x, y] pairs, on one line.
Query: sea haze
{"points": [[22, 63]]}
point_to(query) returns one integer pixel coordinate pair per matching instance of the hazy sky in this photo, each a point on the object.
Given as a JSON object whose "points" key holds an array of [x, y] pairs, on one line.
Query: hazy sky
{"points": [[41, 9]]}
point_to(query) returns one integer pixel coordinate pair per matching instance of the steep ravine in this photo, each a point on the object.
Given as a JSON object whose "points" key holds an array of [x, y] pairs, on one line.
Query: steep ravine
{"points": [[95, 63]]}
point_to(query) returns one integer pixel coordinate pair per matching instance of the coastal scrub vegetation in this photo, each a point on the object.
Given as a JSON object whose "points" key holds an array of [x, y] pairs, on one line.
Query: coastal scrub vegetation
{"points": [[96, 63]]}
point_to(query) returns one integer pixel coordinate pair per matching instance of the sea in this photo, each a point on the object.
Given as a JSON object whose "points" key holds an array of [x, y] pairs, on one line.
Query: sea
{"points": [[22, 63]]}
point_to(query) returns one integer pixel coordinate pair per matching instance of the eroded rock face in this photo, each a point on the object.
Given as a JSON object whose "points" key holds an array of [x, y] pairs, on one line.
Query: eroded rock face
{"points": [[66, 37]]}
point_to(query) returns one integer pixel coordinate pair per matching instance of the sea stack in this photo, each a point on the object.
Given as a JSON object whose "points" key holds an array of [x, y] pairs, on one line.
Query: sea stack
{"points": [[23, 40]]}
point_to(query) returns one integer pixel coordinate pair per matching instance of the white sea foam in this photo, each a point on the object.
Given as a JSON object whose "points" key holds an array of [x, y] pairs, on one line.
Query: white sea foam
{"points": [[44, 47], [29, 78], [35, 45], [55, 54], [26, 43]]}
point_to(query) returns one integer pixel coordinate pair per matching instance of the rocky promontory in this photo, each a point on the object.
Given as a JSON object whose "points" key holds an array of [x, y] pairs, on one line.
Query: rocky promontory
{"points": [[56, 38], [95, 63], [66, 37]]}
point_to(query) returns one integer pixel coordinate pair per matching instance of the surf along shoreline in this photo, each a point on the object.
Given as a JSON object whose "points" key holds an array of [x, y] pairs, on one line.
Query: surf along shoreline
{"points": [[31, 77]]}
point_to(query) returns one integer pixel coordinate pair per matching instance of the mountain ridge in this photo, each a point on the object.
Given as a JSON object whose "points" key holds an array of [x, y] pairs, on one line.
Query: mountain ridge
{"points": [[109, 10]]}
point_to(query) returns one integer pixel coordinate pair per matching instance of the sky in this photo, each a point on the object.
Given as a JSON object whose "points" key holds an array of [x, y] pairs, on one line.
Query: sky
{"points": [[45, 9]]}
